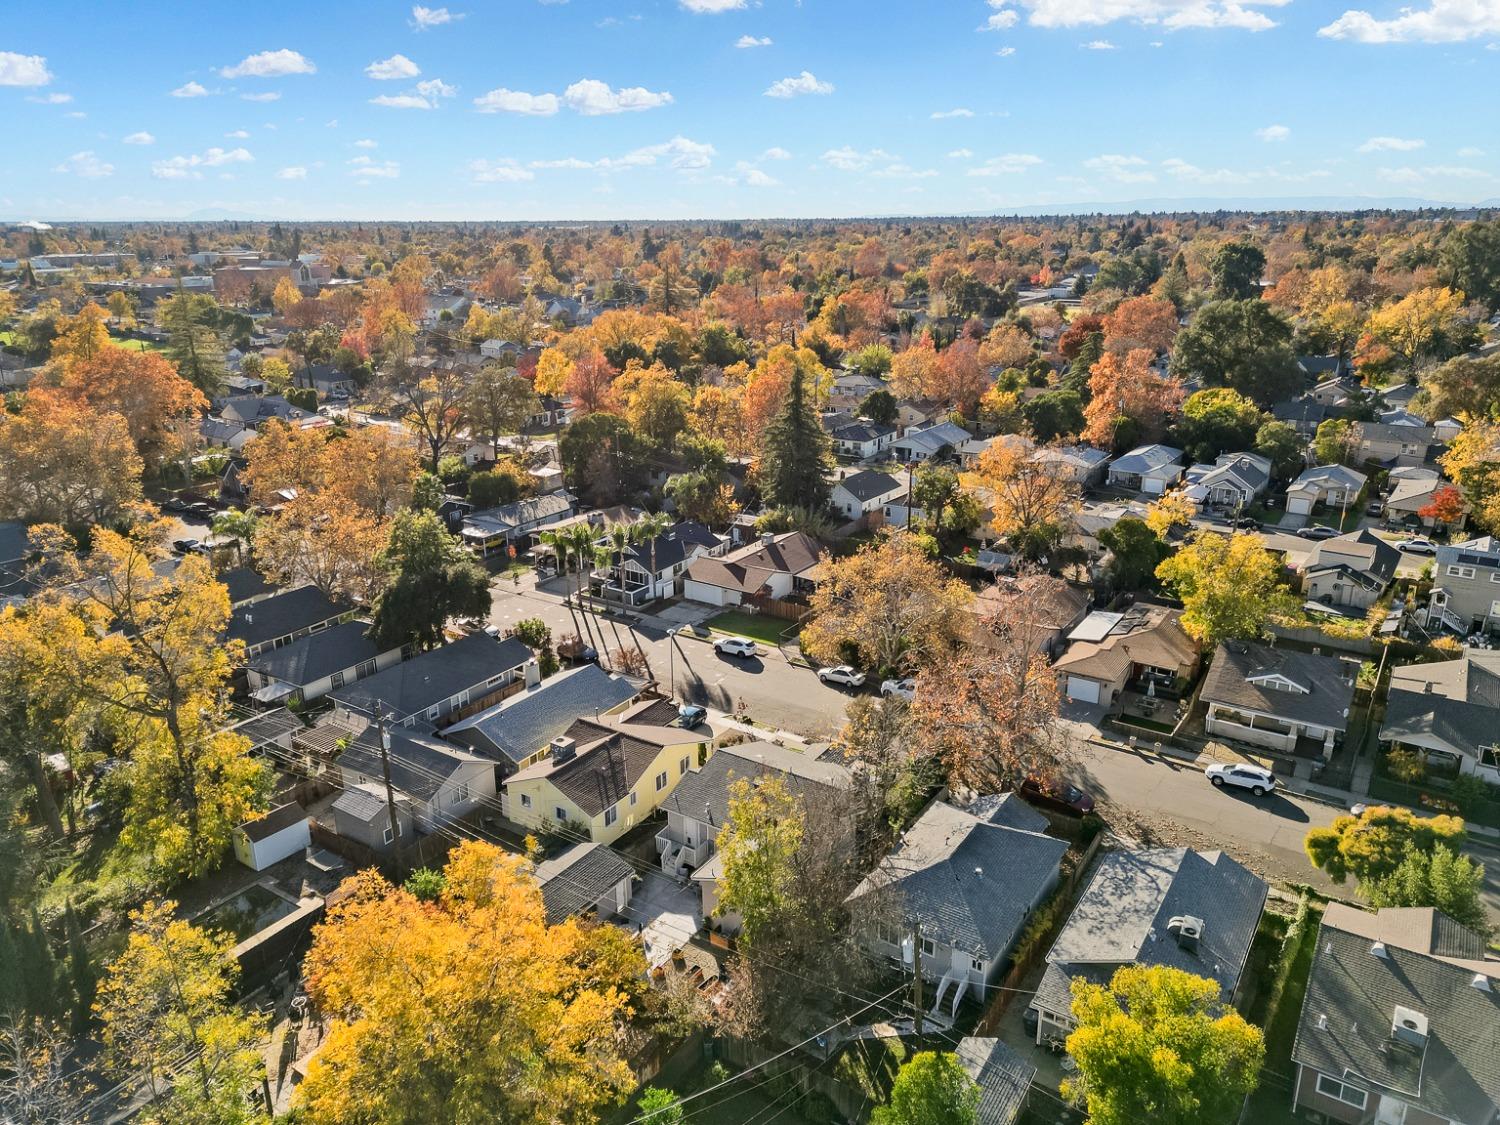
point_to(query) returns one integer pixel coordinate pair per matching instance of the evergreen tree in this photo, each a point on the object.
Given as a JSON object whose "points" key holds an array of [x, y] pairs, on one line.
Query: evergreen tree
{"points": [[12, 978], [435, 581], [80, 969], [39, 969], [193, 340], [795, 458]]}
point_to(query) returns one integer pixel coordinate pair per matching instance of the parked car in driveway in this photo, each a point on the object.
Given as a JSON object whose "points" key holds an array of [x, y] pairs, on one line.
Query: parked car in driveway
{"points": [[901, 689], [1060, 796], [690, 715], [1417, 545], [1317, 531], [735, 646], [1243, 775], [842, 675]]}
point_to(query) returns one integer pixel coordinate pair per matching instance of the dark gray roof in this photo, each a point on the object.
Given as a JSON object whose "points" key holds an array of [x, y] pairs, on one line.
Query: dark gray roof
{"points": [[1328, 680], [361, 802], [970, 883], [1349, 1010], [1373, 555], [283, 614], [862, 431], [704, 793], [869, 484], [282, 816], [13, 541], [1453, 700], [1008, 811], [311, 658], [518, 727], [420, 764], [607, 763], [673, 545], [1122, 918], [244, 584], [264, 729], [1004, 1079], [1305, 410], [577, 878], [431, 677]]}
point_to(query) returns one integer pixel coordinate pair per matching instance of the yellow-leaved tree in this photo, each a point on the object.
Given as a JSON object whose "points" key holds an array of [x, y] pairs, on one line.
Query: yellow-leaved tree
{"points": [[469, 1010], [1230, 585]]}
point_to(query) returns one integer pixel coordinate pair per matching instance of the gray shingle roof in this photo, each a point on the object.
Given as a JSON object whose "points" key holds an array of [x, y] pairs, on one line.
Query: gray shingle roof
{"points": [[869, 484], [1361, 549], [518, 727], [704, 793], [431, 677], [1453, 700], [282, 816], [13, 541], [280, 615], [266, 728], [577, 878], [361, 802], [1008, 811], [420, 764], [311, 658], [1349, 1011], [969, 882], [1145, 458], [1004, 1078], [1329, 681], [606, 765]]}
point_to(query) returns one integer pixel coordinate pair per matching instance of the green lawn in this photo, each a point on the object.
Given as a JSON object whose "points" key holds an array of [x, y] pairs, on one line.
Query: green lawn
{"points": [[758, 627]]}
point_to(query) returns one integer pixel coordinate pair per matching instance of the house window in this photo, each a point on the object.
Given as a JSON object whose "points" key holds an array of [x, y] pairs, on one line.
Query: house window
{"points": [[1342, 1091], [1489, 756], [1495, 576], [463, 698], [337, 679], [632, 798], [888, 934], [364, 668], [460, 795], [1459, 572], [682, 767], [386, 835], [526, 800], [561, 814], [493, 681], [432, 712], [929, 947], [661, 781], [611, 815]]}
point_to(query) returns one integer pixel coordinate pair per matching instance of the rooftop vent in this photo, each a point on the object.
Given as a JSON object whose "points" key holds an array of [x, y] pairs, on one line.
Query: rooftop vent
{"points": [[1481, 982], [1379, 950], [563, 749], [1409, 1029], [1187, 929]]}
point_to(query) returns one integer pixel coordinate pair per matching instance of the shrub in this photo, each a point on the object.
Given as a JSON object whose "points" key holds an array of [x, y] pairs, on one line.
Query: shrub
{"points": [[1406, 765]]}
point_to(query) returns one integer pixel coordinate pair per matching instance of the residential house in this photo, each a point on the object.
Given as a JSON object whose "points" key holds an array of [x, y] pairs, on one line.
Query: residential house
{"points": [[361, 813], [281, 833], [518, 731], [964, 888], [1401, 395], [1295, 702], [441, 685], [698, 807], [1466, 587], [585, 880], [254, 411], [496, 348], [1143, 648], [654, 568], [1352, 570], [1412, 489], [282, 618], [938, 441], [246, 586], [15, 545], [441, 782], [600, 781], [857, 495], [436, 305], [1233, 482], [1322, 366], [1338, 391], [1400, 1023], [1303, 414], [1151, 469], [1174, 907], [312, 666], [1044, 608], [774, 567], [1385, 444], [1082, 464], [1003, 1077], [1334, 486], [1092, 517], [861, 439], [551, 412], [511, 525], [1447, 712], [327, 380]]}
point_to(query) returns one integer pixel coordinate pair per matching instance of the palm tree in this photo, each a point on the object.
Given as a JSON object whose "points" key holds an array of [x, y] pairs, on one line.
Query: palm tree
{"points": [[581, 540], [650, 527], [239, 526]]}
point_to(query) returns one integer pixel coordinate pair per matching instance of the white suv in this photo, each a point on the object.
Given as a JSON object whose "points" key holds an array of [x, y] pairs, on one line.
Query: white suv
{"points": [[901, 689], [735, 646], [1257, 779]]}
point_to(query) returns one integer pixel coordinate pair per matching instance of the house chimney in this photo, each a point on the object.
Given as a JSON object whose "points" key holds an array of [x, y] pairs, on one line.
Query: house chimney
{"points": [[1379, 950], [1481, 982], [249, 618], [768, 538], [533, 673], [563, 749]]}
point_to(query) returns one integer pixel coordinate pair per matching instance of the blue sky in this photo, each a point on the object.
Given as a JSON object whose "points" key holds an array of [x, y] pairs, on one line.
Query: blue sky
{"points": [[712, 108]]}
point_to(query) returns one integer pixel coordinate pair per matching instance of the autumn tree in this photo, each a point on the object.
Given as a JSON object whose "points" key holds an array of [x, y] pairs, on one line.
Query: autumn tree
{"points": [[1445, 507], [1159, 1044], [470, 1009], [1425, 322], [1370, 846], [1230, 586], [553, 369], [433, 581], [334, 547], [1141, 322], [931, 1088], [286, 296], [499, 401], [61, 462], [654, 402], [959, 377], [1463, 387], [81, 338], [433, 408], [42, 1080], [889, 605], [1473, 462], [1173, 510], [590, 383], [1032, 500], [1243, 345], [1129, 403], [144, 390], [914, 370], [1336, 442], [168, 1010]]}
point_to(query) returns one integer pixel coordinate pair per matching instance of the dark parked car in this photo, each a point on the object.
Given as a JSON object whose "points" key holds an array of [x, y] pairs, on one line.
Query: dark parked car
{"points": [[1245, 523], [203, 509], [1060, 796], [174, 504], [690, 715], [1029, 1019]]}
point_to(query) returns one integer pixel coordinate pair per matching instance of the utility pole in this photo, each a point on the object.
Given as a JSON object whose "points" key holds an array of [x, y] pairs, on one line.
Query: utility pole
{"points": [[390, 793], [916, 974]]}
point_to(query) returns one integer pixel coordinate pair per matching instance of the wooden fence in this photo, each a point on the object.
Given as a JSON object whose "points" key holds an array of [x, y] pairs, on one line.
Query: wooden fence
{"points": [[775, 607]]}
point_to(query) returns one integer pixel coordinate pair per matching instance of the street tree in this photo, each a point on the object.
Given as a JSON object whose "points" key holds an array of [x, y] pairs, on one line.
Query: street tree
{"points": [[1372, 845], [1230, 586]]}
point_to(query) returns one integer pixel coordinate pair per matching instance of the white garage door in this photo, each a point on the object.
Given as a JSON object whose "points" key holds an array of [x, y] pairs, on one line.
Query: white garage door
{"points": [[703, 592], [1298, 505], [1085, 691]]}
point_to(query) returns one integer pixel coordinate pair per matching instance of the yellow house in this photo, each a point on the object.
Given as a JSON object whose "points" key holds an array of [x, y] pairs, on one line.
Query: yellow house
{"points": [[598, 781]]}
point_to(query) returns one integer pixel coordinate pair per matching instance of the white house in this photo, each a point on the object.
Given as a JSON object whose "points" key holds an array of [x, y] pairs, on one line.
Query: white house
{"points": [[1151, 469], [1234, 481], [1336, 486], [652, 569], [312, 666], [923, 443], [269, 839], [862, 439], [860, 493]]}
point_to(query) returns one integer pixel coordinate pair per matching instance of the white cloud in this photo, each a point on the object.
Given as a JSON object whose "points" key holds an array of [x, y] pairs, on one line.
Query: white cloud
{"points": [[1120, 168], [1010, 164], [1098, 45], [1006, 52], [186, 167], [1228, 14], [366, 143], [1002, 20], [850, 159], [900, 170], [1273, 133], [50, 99], [87, 165], [961, 154], [1174, 15], [745, 42], [269, 96], [1469, 152], [1442, 21], [571, 163], [368, 169], [424, 18], [141, 138], [945, 113], [711, 6], [776, 152], [506, 171], [237, 134], [756, 178], [1429, 172], [517, 101], [402, 101], [77, 115], [190, 90], [23, 70], [1392, 144], [803, 83], [295, 172], [270, 64], [685, 155], [1191, 172], [395, 67], [593, 98], [436, 88]]}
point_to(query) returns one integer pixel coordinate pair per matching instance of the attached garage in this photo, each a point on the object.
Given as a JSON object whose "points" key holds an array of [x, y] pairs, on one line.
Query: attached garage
{"points": [[1083, 690], [709, 594], [1299, 504]]}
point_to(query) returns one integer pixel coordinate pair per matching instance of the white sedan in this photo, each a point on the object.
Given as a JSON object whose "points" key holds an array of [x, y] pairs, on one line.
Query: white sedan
{"points": [[1257, 779], [735, 646], [901, 689], [842, 675], [1417, 545]]}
